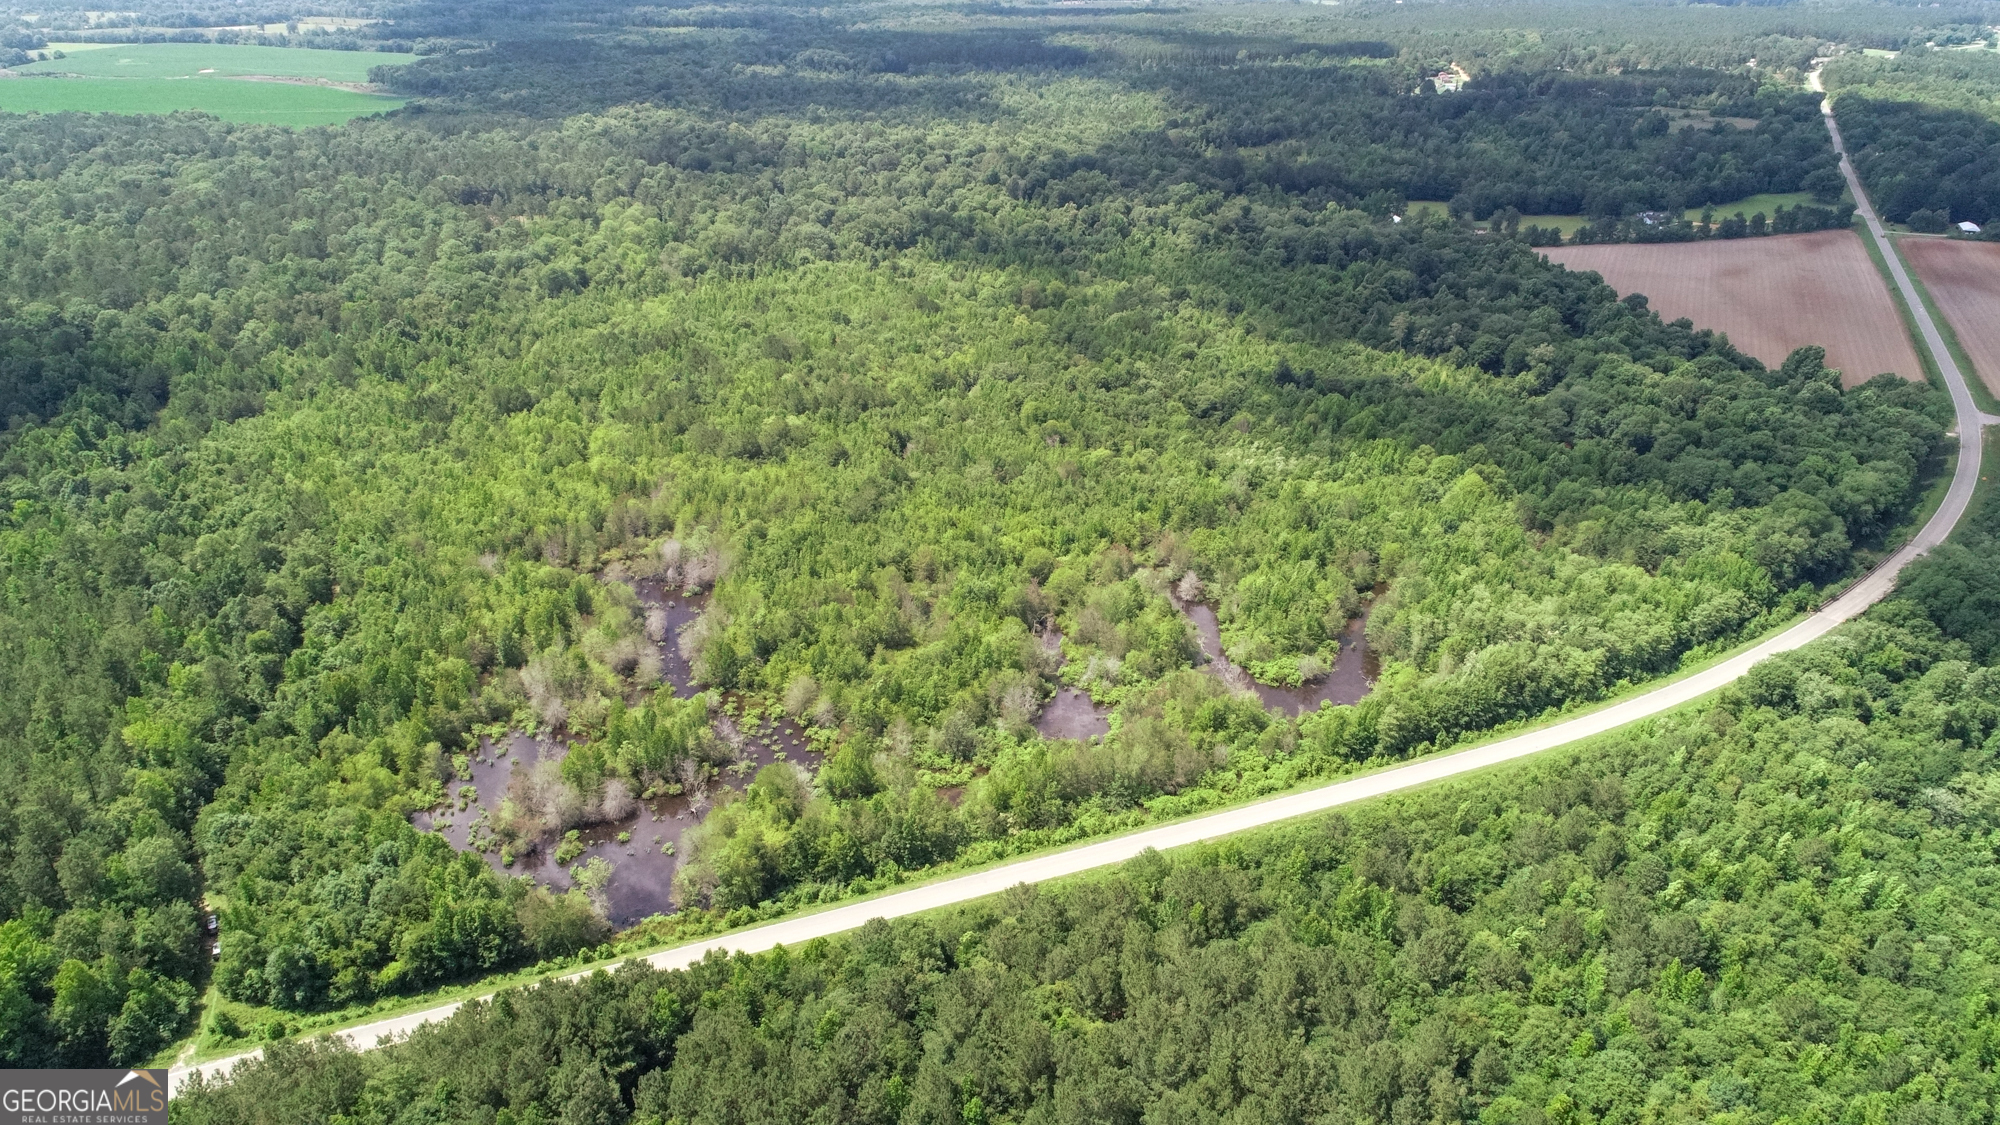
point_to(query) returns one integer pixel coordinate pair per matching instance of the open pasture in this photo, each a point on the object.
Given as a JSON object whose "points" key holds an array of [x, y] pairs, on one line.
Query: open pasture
{"points": [[1964, 283], [270, 85], [271, 103], [1768, 203], [1770, 295], [216, 60]]}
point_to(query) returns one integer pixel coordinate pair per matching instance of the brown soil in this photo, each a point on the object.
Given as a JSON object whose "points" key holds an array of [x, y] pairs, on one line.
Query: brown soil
{"points": [[1964, 282], [1769, 295]]}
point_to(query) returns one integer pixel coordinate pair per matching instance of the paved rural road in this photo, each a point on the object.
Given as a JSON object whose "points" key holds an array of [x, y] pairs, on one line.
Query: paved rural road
{"points": [[1869, 590]]}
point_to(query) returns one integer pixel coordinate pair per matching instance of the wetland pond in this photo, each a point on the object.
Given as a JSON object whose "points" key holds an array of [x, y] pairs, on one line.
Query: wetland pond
{"points": [[1352, 676], [642, 841], [1073, 714], [642, 845]]}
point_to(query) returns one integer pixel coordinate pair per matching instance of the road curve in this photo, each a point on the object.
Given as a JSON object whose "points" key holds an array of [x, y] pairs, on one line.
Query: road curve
{"points": [[962, 888]]}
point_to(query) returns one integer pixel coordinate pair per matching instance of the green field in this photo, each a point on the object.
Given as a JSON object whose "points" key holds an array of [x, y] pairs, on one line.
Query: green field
{"points": [[1768, 203], [276, 103], [1567, 224], [164, 77], [206, 60]]}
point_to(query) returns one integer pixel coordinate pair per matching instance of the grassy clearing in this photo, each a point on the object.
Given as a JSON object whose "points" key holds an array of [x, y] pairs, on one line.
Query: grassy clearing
{"points": [[274, 103], [1567, 224], [1768, 203], [211, 60]]}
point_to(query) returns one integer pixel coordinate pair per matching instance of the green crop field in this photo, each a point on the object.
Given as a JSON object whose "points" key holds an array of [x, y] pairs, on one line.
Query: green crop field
{"points": [[1768, 203], [164, 77], [205, 60], [278, 103]]}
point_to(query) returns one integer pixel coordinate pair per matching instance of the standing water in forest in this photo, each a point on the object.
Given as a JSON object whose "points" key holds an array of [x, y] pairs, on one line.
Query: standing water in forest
{"points": [[1071, 713], [511, 803], [1352, 676]]}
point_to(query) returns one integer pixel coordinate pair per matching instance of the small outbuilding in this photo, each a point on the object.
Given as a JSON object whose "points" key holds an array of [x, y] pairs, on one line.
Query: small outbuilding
{"points": [[1969, 227]]}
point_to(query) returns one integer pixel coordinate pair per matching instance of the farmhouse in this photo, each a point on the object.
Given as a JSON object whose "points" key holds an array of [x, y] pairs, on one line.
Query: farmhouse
{"points": [[1450, 80]]}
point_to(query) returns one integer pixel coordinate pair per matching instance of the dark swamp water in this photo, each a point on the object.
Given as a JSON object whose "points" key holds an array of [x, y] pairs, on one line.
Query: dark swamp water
{"points": [[1352, 676], [1072, 714], [644, 844], [634, 844]]}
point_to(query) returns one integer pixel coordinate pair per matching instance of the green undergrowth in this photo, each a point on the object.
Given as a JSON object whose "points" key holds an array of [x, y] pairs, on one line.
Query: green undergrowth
{"points": [[1802, 865], [259, 1023], [330, 451]]}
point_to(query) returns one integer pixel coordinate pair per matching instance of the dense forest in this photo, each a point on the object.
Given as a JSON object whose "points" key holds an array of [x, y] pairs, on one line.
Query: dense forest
{"points": [[1352, 129], [1776, 907], [330, 453], [1924, 128], [1957, 79]]}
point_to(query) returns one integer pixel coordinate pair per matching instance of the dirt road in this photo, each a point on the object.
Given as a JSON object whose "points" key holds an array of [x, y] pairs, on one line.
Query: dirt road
{"points": [[963, 888]]}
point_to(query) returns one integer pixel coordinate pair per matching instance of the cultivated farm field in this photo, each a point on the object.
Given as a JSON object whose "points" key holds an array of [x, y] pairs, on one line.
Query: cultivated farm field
{"points": [[271, 103], [1770, 295], [1964, 281], [274, 85], [222, 60]]}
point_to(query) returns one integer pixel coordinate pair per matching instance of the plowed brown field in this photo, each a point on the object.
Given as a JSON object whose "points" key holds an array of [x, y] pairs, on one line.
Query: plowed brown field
{"points": [[1964, 282], [1769, 295]]}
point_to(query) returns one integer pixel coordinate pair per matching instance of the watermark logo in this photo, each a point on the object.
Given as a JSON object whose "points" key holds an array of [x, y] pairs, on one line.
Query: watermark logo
{"points": [[83, 1097]]}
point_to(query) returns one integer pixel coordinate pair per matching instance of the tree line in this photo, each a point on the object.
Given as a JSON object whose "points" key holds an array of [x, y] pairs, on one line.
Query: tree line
{"points": [[1770, 906], [322, 447]]}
